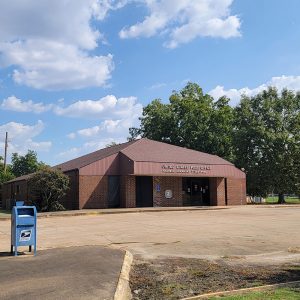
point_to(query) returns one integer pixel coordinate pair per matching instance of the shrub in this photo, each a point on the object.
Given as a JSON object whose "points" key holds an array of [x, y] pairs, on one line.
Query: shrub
{"points": [[48, 187]]}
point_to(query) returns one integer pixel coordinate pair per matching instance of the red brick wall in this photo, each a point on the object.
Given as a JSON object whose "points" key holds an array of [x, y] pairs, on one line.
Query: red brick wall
{"points": [[236, 191], [9, 193], [167, 183], [70, 201], [128, 196], [217, 191], [93, 191]]}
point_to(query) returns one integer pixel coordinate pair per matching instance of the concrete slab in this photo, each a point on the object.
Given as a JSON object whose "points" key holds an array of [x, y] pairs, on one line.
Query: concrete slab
{"points": [[90, 272], [254, 232]]}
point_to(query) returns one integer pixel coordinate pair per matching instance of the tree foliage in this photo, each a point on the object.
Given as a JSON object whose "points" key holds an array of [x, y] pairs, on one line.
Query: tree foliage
{"points": [[7, 175], [261, 134], [48, 187], [267, 141], [191, 119], [27, 164]]}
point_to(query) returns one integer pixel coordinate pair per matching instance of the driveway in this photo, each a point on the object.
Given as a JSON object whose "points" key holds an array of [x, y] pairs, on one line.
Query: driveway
{"points": [[270, 233]]}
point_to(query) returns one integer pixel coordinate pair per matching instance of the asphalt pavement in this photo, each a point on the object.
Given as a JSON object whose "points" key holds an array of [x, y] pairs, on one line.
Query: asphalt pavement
{"points": [[87, 272]]}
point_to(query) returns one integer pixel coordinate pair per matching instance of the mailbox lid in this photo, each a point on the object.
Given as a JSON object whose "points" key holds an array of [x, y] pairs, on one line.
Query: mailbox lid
{"points": [[25, 215], [26, 211]]}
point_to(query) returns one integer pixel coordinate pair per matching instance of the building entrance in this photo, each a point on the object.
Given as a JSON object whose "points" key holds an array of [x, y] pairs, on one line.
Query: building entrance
{"points": [[195, 191], [144, 191]]}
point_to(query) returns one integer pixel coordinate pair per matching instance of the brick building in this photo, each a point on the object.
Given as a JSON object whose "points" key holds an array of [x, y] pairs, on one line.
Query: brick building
{"points": [[144, 173]]}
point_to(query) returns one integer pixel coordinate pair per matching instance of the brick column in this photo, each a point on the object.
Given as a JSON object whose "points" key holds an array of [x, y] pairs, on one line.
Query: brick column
{"points": [[128, 191], [217, 191]]}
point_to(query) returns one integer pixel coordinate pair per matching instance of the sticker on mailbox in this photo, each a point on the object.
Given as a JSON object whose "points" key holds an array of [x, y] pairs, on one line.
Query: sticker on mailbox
{"points": [[25, 235]]}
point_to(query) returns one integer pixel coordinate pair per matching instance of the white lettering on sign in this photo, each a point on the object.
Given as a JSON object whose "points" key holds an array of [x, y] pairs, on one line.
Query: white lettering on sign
{"points": [[191, 169]]}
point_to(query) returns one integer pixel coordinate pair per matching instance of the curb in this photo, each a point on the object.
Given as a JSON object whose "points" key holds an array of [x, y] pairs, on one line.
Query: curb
{"points": [[245, 290], [123, 291], [109, 212]]}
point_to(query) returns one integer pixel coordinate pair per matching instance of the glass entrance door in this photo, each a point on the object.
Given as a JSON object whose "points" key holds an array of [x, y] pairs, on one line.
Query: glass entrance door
{"points": [[196, 191]]}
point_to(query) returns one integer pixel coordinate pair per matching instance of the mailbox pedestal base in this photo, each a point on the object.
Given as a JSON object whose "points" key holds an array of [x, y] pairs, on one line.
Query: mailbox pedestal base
{"points": [[15, 251]]}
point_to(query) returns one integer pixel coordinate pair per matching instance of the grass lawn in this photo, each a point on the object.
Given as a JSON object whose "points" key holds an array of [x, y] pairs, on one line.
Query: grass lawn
{"points": [[288, 200], [278, 294]]}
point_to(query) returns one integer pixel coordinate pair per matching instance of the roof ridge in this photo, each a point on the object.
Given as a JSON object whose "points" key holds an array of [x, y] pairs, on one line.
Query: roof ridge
{"points": [[117, 146], [128, 142], [133, 143], [152, 150], [182, 147]]}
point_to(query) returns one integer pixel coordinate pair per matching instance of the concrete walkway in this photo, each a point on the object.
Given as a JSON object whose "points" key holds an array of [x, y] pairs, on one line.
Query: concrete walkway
{"points": [[89, 272], [109, 211]]}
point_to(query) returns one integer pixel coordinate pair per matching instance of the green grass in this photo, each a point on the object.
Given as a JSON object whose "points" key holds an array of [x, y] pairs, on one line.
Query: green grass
{"points": [[289, 200], [278, 294]]}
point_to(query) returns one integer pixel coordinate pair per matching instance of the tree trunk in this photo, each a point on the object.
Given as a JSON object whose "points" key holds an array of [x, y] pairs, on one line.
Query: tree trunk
{"points": [[281, 198]]}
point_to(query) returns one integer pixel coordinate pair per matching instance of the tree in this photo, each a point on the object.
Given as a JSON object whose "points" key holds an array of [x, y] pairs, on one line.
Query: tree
{"points": [[192, 119], [267, 142], [27, 164], [7, 175], [48, 187], [111, 144]]}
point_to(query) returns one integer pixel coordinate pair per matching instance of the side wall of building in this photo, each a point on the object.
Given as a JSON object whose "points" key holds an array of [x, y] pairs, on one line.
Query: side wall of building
{"points": [[236, 191], [14, 191], [93, 191], [71, 201], [18, 190], [163, 183]]}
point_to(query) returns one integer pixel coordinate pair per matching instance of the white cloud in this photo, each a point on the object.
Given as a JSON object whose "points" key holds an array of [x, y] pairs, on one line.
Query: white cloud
{"points": [[280, 82], [108, 127], [87, 147], [185, 20], [54, 66], [157, 86], [14, 104], [102, 7], [22, 137], [102, 108], [71, 136], [88, 108], [48, 43], [117, 114]]}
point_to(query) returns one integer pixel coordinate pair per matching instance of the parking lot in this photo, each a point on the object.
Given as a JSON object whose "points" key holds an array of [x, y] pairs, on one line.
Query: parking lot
{"points": [[257, 233]]}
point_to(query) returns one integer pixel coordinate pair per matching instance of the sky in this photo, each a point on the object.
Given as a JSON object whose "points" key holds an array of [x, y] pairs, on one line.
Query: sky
{"points": [[75, 75]]}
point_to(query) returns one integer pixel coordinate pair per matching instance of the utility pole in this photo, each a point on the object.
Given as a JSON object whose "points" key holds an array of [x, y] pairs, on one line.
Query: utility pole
{"points": [[5, 151]]}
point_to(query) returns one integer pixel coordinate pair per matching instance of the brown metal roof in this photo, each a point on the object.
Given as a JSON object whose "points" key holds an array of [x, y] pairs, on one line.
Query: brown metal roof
{"points": [[143, 150], [87, 159], [20, 178], [153, 151]]}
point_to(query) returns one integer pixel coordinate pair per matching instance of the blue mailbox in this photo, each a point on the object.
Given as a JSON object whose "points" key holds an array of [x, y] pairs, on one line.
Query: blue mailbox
{"points": [[23, 227]]}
